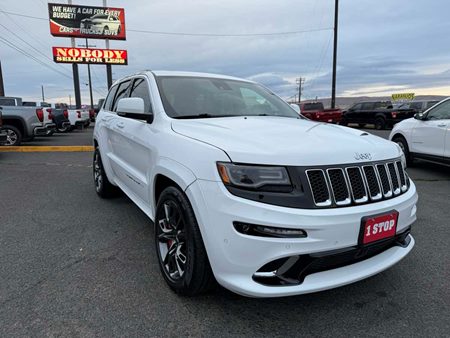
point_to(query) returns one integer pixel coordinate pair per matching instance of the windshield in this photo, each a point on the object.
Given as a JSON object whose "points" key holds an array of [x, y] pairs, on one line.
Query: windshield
{"points": [[201, 97]]}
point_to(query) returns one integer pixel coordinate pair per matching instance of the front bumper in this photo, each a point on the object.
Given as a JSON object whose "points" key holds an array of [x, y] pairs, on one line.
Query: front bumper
{"points": [[235, 257], [44, 130]]}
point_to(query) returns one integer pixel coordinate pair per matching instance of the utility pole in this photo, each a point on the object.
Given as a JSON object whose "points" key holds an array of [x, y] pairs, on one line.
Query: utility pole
{"points": [[42, 90], [300, 81], [333, 84], [76, 78], [70, 100], [108, 66], [2, 87], [89, 77]]}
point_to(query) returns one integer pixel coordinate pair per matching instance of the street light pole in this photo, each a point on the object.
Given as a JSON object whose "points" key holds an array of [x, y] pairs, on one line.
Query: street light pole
{"points": [[333, 85]]}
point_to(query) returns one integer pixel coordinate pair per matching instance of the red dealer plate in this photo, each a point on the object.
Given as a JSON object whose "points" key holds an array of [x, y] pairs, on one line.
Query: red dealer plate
{"points": [[377, 227]]}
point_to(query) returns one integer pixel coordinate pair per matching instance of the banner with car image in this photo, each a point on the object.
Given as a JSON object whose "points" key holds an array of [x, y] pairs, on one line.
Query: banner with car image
{"points": [[87, 21]]}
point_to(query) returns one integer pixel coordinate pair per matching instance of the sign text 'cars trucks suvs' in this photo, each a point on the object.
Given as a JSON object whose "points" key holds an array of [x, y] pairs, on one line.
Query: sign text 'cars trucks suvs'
{"points": [[243, 190]]}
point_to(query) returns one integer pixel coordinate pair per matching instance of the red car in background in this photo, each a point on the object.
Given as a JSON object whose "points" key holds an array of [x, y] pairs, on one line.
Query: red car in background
{"points": [[316, 111]]}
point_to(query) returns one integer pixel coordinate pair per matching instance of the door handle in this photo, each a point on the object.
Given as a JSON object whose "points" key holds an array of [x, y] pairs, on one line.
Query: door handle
{"points": [[104, 119], [442, 125], [120, 125]]}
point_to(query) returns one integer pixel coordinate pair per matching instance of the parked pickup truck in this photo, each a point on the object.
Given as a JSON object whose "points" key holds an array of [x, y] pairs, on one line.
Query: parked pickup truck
{"points": [[379, 113], [79, 118], [316, 111], [60, 115], [48, 114], [22, 123], [3, 135]]}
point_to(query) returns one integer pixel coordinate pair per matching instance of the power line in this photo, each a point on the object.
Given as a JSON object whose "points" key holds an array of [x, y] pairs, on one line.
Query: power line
{"points": [[198, 34], [21, 51]]}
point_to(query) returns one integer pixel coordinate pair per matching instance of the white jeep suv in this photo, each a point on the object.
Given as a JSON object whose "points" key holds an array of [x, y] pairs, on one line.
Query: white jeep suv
{"points": [[243, 190], [426, 136]]}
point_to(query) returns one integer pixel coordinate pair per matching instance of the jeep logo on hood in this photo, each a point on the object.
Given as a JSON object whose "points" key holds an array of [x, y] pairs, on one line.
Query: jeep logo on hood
{"points": [[363, 156]]}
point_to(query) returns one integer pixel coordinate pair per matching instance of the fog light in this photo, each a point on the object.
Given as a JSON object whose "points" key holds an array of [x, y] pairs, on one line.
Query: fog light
{"points": [[268, 231]]}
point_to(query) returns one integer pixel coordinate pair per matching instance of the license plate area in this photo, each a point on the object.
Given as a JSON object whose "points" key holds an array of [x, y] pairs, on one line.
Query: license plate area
{"points": [[378, 227]]}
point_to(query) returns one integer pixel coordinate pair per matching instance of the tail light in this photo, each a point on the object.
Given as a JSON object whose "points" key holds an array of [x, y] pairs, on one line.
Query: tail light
{"points": [[40, 114], [79, 114], [91, 112], [50, 115], [394, 114], [66, 113]]}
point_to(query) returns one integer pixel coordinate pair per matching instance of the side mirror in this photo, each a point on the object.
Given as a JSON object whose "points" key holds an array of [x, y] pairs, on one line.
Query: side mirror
{"points": [[419, 116], [133, 107], [295, 107]]}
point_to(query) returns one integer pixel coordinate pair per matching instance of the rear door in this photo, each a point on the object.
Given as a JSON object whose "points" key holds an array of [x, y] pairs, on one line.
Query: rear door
{"points": [[352, 113], [134, 144], [429, 135]]}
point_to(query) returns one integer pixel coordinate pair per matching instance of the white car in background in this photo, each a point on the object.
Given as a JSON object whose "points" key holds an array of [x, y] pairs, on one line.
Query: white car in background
{"points": [[242, 189], [426, 136], [104, 24]]}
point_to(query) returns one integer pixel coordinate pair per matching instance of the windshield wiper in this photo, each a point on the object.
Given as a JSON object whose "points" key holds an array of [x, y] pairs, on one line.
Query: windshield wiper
{"points": [[201, 116]]}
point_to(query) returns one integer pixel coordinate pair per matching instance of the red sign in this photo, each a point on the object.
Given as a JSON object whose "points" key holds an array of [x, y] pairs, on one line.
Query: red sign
{"points": [[87, 21], [379, 227], [89, 55]]}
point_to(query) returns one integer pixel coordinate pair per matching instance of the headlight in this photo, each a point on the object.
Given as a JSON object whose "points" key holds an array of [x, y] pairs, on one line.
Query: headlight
{"points": [[254, 177]]}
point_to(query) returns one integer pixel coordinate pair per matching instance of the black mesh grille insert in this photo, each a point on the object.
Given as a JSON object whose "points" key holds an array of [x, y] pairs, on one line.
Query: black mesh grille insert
{"points": [[384, 178], [372, 181], [401, 173], [318, 186], [394, 178], [338, 184], [356, 183]]}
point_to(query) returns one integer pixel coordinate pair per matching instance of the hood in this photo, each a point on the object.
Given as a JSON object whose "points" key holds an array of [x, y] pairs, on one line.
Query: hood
{"points": [[286, 141]]}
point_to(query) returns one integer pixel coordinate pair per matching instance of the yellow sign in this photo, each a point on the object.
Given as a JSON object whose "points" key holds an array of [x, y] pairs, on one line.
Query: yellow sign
{"points": [[403, 96]]}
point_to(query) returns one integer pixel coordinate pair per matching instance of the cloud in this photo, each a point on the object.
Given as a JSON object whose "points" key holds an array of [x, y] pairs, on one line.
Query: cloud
{"points": [[383, 45]]}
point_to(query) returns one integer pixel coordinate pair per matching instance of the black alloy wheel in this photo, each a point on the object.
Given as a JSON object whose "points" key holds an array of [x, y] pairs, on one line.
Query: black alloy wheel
{"points": [[103, 186], [181, 253]]}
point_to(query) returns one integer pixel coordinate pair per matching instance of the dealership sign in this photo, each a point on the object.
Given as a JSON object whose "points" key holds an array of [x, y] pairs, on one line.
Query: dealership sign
{"points": [[89, 55], [87, 21], [403, 96]]}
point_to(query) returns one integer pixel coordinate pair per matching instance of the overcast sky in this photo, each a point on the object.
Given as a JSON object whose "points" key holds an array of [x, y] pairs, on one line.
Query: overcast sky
{"points": [[385, 46]]}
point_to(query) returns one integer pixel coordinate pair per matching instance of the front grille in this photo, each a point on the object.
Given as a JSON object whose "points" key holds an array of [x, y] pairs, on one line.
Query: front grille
{"points": [[334, 187], [319, 187]]}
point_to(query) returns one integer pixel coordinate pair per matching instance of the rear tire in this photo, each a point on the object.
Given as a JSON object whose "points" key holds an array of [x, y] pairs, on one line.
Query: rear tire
{"points": [[103, 186], [14, 136], [404, 146], [180, 250], [380, 123]]}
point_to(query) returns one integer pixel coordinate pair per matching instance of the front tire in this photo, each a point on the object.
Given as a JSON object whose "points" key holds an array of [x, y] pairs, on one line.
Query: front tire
{"points": [[404, 146], [181, 253], [13, 135], [103, 186]]}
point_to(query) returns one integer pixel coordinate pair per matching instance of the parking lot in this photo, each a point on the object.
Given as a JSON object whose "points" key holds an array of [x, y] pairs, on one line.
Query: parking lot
{"points": [[75, 265]]}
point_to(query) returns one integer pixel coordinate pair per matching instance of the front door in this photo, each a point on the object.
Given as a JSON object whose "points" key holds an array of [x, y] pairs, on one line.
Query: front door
{"points": [[429, 135]]}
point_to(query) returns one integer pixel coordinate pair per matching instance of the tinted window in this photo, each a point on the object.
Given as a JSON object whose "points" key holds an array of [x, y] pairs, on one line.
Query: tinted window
{"points": [[431, 104], [29, 104], [189, 97], [313, 106], [140, 89], [110, 98], [122, 92], [367, 106], [415, 105], [357, 106], [382, 105], [441, 112], [7, 102]]}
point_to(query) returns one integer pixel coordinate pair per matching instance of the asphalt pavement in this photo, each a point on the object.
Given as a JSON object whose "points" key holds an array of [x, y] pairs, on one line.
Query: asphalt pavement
{"points": [[72, 264]]}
